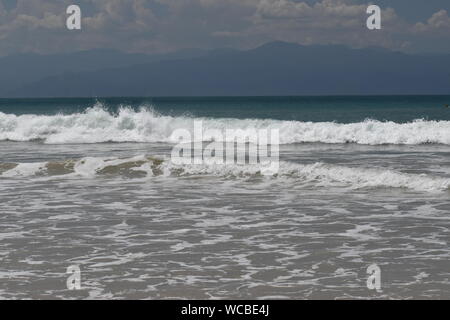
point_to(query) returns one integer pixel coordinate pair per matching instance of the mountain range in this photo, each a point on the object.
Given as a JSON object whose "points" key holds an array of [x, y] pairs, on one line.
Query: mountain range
{"points": [[276, 68]]}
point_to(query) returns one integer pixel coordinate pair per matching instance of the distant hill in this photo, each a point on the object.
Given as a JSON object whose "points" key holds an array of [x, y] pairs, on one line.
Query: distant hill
{"points": [[276, 68], [22, 69]]}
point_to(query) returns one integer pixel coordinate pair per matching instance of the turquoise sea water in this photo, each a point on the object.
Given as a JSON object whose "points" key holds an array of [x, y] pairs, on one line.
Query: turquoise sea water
{"points": [[343, 109]]}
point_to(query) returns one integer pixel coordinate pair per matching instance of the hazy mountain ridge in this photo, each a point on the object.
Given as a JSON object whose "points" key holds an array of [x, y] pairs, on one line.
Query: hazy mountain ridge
{"points": [[23, 69], [276, 68]]}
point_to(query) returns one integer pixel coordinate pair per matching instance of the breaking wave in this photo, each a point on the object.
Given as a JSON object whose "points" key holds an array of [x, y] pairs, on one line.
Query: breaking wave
{"points": [[317, 174], [97, 125]]}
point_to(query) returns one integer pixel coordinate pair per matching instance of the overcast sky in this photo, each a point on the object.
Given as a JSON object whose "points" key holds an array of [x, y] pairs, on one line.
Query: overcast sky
{"points": [[166, 25]]}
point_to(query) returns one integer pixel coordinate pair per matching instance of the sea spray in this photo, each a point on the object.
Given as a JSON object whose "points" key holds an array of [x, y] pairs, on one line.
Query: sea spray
{"points": [[97, 125]]}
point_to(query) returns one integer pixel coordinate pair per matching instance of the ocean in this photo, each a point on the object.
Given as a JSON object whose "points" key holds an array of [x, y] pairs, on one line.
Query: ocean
{"points": [[362, 181]]}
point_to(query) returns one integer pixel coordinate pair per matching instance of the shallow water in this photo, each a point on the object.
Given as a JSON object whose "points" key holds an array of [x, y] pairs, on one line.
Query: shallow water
{"points": [[229, 233], [349, 193]]}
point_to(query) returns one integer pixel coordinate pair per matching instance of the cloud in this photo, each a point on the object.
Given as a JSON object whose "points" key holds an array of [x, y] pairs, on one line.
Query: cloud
{"points": [[165, 25], [325, 22], [439, 22]]}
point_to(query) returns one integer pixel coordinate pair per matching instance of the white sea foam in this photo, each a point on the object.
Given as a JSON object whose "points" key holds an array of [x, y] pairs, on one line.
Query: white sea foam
{"points": [[316, 174], [325, 175], [25, 169], [97, 125]]}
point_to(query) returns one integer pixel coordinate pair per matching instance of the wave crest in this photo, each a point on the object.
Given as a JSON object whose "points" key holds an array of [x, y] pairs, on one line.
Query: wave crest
{"points": [[316, 174], [97, 125]]}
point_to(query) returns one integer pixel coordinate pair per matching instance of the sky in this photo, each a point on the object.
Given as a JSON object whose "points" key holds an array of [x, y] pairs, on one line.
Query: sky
{"points": [[156, 26]]}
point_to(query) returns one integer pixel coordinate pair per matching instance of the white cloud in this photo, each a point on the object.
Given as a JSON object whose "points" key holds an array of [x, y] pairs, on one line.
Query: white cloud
{"points": [[439, 22], [161, 25]]}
